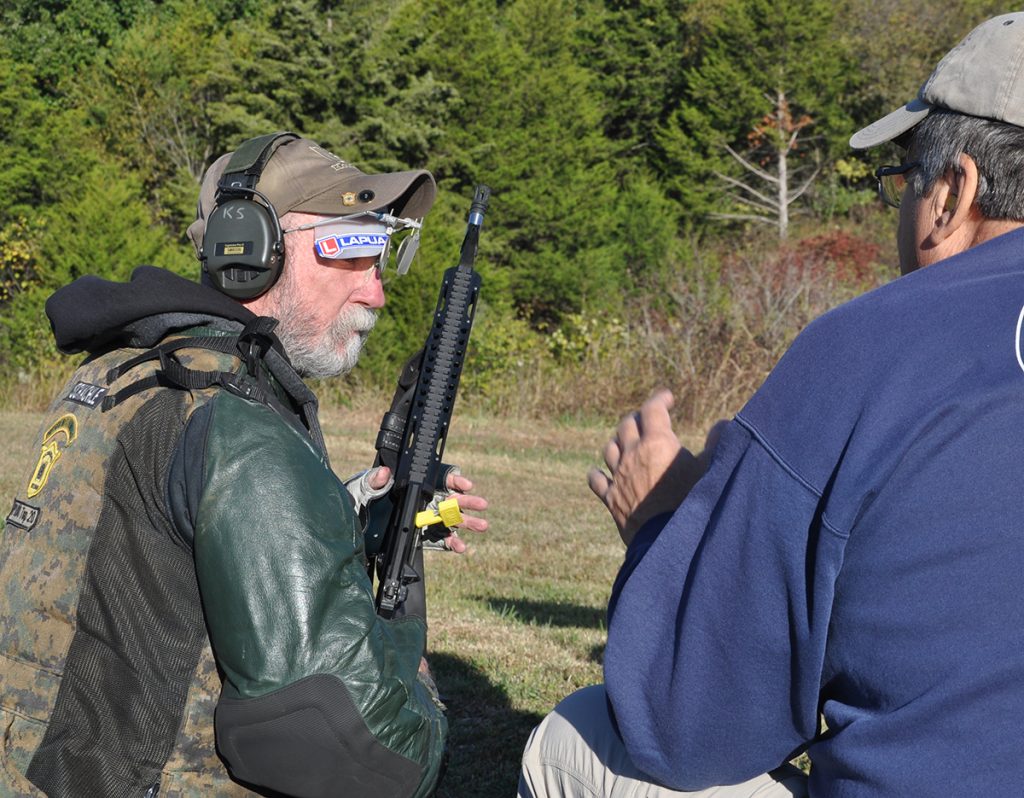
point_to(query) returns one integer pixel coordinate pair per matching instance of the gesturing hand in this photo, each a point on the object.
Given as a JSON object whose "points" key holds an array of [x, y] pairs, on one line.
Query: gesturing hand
{"points": [[650, 471]]}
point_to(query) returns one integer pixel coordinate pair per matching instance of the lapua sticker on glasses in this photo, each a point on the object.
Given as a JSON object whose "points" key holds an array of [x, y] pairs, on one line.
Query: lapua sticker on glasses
{"points": [[353, 245]]}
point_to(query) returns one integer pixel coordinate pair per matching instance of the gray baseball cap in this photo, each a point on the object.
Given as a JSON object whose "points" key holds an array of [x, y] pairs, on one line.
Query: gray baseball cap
{"points": [[982, 76], [302, 176]]}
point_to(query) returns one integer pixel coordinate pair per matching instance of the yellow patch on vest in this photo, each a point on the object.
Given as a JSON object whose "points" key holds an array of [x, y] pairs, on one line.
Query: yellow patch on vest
{"points": [[59, 436]]}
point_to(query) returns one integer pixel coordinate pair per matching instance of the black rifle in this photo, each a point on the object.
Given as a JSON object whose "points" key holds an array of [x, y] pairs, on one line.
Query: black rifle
{"points": [[413, 432]]}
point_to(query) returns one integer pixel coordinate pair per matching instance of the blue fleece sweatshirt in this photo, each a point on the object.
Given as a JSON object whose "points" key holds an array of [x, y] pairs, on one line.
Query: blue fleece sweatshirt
{"points": [[856, 550]]}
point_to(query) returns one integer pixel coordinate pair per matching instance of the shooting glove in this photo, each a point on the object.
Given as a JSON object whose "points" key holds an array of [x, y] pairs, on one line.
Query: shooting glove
{"points": [[359, 488]]}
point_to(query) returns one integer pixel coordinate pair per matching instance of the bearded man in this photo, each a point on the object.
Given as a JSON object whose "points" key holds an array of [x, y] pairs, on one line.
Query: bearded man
{"points": [[186, 605]]}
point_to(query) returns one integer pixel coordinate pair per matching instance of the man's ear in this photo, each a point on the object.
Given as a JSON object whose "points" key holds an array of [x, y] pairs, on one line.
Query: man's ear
{"points": [[953, 200]]}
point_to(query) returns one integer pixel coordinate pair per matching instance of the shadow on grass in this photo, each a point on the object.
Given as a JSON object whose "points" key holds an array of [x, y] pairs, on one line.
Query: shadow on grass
{"points": [[547, 613], [486, 735]]}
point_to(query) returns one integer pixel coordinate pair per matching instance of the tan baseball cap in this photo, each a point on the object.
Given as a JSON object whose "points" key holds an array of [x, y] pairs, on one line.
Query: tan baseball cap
{"points": [[982, 76], [300, 175]]}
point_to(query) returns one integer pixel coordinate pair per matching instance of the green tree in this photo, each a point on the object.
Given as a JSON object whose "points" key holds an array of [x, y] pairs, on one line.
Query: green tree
{"points": [[45, 153], [104, 228], [493, 92], [637, 52], [751, 53], [160, 101], [107, 229], [62, 38], [529, 124], [28, 123]]}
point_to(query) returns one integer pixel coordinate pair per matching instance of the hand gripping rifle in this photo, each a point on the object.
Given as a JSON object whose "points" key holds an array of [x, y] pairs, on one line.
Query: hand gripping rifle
{"points": [[413, 432]]}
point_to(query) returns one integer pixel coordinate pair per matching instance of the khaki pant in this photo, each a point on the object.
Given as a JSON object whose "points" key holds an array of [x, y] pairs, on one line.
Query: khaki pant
{"points": [[576, 752]]}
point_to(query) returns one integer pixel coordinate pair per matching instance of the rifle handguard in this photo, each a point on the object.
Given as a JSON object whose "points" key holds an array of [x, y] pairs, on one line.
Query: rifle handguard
{"points": [[422, 410]]}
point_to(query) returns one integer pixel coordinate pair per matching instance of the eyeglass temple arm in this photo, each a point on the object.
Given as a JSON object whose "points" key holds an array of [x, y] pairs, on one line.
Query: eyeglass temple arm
{"points": [[387, 218]]}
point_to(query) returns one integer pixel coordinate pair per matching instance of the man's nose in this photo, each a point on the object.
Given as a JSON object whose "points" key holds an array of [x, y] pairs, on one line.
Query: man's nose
{"points": [[371, 292]]}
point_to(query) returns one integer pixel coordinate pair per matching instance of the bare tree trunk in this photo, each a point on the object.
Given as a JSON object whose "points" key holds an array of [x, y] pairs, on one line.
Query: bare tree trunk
{"points": [[783, 150], [778, 133]]}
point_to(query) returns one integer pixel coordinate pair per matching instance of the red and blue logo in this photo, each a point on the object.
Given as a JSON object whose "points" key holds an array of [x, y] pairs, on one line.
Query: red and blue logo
{"points": [[334, 246], [328, 247]]}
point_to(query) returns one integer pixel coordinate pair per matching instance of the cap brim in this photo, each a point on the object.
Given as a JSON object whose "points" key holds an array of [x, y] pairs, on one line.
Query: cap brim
{"points": [[402, 193], [891, 126]]}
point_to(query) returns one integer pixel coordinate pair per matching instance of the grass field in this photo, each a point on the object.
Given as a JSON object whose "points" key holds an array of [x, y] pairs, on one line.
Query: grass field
{"points": [[516, 623]]}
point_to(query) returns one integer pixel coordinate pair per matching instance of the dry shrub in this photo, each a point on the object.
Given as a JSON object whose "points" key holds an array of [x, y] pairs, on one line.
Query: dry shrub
{"points": [[716, 354], [25, 391], [710, 333]]}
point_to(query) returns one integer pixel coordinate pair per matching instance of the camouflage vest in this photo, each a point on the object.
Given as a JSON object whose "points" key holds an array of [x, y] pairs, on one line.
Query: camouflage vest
{"points": [[107, 681]]}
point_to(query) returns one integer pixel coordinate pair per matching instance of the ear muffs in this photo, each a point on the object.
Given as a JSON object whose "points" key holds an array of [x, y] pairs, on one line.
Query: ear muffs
{"points": [[243, 246], [243, 249]]}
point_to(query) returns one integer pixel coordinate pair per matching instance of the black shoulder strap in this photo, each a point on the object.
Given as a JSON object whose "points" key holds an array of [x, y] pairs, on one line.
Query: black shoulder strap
{"points": [[254, 346], [225, 344]]}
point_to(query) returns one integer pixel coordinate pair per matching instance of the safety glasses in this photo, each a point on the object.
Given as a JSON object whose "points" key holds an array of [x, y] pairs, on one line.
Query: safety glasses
{"points": [[892, 182], [357, 235]]}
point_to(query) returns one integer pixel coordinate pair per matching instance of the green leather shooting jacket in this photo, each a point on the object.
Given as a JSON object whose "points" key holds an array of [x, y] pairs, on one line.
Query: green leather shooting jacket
{"points": [[185, 607]]}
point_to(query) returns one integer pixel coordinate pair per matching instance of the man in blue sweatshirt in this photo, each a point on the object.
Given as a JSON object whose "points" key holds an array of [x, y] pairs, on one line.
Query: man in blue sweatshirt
{"points": [[850, 546]]}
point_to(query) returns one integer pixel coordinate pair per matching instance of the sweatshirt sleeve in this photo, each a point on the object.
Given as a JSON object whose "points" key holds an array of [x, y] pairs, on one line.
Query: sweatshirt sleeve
{"points": [[321, 696], [718, 623]]}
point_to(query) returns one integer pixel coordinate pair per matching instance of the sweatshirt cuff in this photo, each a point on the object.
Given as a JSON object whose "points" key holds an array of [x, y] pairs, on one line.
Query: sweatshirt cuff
{"points": [[646, 535], [635, 552]]}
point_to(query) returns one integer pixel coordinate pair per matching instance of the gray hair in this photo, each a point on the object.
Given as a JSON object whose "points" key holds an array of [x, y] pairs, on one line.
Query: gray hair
{"points": [[996, 147]]}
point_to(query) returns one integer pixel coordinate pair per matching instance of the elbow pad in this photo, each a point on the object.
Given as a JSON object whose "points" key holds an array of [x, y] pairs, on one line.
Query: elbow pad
{"points": [[308, 740]]}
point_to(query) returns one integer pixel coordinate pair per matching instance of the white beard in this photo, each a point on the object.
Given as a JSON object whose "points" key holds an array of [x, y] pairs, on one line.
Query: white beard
{"points": [[316, 352]]}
